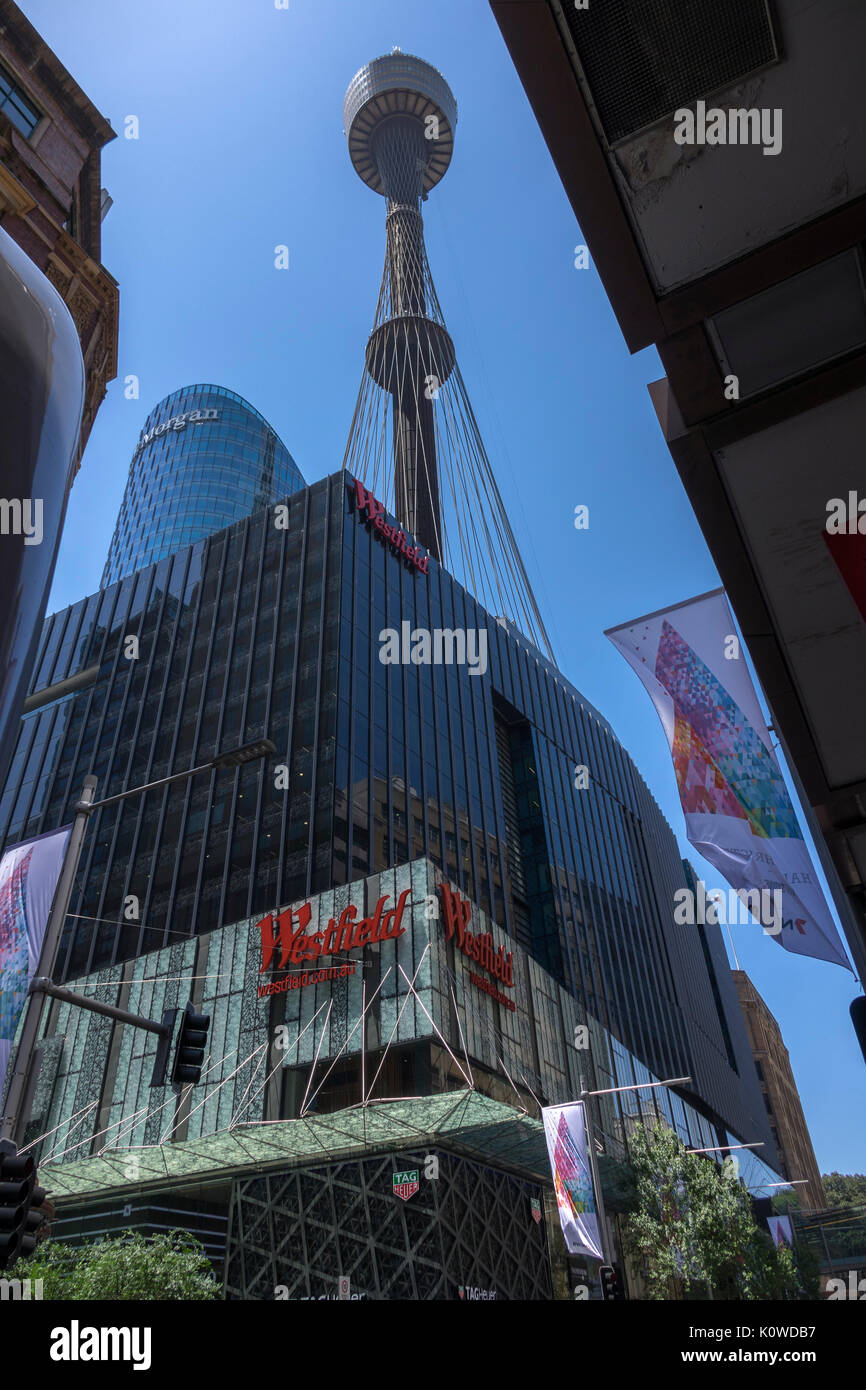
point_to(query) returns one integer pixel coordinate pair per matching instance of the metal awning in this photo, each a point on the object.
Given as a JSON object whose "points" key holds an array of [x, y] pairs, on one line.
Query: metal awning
{"points": [[466, 1121]]}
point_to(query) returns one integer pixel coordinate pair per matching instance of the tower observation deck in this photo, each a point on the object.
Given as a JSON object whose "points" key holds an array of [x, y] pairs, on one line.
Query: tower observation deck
{"points": [[414, 436]]}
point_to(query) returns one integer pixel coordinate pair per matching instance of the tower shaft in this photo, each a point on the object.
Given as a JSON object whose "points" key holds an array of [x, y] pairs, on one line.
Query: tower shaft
{"points": [[415, 369], [404, 236], [416, 476]]}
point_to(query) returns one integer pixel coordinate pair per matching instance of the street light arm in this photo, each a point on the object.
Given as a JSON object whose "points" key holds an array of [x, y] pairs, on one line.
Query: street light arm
{"points": [[236, 757], [149, 786], [641, 1086]]}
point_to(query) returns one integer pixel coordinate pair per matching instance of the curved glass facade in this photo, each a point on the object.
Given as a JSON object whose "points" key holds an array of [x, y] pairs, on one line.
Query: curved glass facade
{"points": [[205, 459]]}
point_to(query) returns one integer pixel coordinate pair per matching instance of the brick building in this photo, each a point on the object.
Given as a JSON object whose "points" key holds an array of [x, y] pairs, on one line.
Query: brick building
{"points": [[781, 1097], [51, 199]]}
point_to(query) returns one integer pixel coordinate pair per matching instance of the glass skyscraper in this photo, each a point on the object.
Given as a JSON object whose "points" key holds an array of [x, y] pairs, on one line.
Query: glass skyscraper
{"points": [[275, 630], [205, 459]]}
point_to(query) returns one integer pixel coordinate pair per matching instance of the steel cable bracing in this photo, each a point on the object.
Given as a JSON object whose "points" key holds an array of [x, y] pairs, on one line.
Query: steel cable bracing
{"points": [[414, 440]]}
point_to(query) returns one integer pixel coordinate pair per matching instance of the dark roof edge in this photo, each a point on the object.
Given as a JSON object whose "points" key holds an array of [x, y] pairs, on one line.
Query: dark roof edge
{"points": [[58, 79]]}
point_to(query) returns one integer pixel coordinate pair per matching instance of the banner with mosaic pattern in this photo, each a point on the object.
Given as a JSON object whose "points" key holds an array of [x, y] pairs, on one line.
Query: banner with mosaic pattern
{"points": [[28, 877], [737, 809], [565, 1132]]}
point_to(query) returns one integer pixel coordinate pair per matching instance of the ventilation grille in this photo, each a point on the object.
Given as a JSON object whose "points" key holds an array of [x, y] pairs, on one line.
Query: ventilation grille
{"points": [[643, 59]]}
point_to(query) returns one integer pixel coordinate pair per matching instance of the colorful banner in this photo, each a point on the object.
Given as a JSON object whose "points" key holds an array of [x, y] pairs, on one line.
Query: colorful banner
{"points": [[737, 810], [565, 1132], [28, 877], [780, 1230]]}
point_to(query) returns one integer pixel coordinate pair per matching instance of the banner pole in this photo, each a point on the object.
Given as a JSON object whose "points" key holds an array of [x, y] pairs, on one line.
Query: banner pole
{"points": [[15, 1114]]}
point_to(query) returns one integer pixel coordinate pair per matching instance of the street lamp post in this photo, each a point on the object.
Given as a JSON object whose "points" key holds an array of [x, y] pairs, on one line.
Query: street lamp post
{"points": [[18, 1094], [603, 1233], [594, 1174]]}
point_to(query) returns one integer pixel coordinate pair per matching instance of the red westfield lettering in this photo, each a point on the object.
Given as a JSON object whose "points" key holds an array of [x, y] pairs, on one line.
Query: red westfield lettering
{"points": [[479, 948], [287, 932], [285, 937], [365, 502], [298, 979]]}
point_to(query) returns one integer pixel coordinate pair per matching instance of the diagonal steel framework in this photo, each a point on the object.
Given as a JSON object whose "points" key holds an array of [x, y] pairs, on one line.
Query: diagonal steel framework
{"points": [[302, 1230]]}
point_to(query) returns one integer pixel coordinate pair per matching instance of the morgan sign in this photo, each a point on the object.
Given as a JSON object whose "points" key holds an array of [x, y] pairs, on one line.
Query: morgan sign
{"points": [[177, 422]]}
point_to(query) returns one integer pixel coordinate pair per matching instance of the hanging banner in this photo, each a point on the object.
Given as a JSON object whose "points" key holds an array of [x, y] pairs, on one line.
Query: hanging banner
{"points": [[737, 809], [28, 877], [780, 1230], [565, 1132]]}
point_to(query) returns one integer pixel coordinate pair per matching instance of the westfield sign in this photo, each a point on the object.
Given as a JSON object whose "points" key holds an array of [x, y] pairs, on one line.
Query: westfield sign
{"points": [[285, 940], [479, 947], [397, 539]]}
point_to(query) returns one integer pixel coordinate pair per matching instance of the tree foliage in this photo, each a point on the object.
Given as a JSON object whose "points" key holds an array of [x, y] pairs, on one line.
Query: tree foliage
{"points": [[786, 1200], [173, 1266], [844, 1189], [692, 1228]]}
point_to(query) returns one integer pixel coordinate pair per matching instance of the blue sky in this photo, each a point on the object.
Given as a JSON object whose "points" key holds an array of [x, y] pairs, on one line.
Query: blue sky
{"points": [[241, 148]]}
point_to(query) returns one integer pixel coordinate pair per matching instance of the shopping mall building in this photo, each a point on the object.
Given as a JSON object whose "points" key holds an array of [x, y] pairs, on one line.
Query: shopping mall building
{"points": [[444, 902], [411, 927]]}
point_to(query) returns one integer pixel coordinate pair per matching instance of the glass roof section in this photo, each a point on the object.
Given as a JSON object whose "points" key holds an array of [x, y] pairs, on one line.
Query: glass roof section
{"points": [[475, 1124]]}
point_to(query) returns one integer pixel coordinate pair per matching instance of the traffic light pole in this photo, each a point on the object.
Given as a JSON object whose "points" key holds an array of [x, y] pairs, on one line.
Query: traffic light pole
{"points": [[68, 996]]}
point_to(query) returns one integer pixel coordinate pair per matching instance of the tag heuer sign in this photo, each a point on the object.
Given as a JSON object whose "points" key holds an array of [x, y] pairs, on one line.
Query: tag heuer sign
{"points": [[536, 1210], [405, 1185]]}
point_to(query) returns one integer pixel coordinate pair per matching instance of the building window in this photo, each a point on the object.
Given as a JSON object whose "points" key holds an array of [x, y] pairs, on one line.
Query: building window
{"points": [[18, 107]]}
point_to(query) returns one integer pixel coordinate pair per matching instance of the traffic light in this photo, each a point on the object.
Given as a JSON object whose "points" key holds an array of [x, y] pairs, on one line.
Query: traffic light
{"points": [[37, 1217], [611, 1287], [191, 1043], [18, 1191]]}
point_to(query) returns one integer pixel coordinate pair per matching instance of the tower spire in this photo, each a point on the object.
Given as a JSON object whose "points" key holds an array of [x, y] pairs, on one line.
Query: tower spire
{"points": [[414, 430]]}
